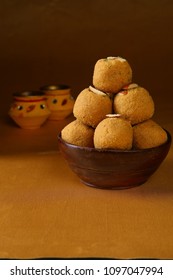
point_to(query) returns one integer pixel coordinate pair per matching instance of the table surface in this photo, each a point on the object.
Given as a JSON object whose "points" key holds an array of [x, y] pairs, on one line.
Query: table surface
{"points": [[45, 211]]}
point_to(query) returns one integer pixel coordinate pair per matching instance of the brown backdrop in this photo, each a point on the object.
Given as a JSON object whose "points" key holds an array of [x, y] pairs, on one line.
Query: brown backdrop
{"points": [[59, 41]]}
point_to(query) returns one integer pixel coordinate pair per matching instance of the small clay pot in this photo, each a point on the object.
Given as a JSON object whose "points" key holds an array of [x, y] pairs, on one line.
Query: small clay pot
{"points": [[29, 109], [59, 100]]}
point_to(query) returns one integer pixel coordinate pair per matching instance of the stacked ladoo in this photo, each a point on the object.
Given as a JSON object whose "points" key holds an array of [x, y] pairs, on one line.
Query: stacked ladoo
{"points": [[114, 113]]}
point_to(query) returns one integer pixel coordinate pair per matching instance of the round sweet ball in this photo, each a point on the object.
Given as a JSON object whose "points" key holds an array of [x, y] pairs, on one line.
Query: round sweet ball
{"points": [[148, 135], [78, 134], [113, 133], [92, 106], [111, 74], [134, 103]]}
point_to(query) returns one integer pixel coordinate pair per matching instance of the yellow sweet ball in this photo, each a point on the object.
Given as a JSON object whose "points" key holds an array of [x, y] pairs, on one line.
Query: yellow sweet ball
{"points": [[134, 103], [148, 134], [113, 133], [92, 106], [78, 134], [111, 74]]}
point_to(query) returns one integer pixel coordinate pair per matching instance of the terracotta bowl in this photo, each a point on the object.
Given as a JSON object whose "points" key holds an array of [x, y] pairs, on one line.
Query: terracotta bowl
{"points": [[59, 100], [29, 109], [113, 169]]}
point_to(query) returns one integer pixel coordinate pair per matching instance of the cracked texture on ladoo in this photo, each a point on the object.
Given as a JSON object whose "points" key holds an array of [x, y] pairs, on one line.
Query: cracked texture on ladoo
{"points": [[148, 134], [113, 133], [77, 133], [112, 74], [134, 104], [91, 108]]}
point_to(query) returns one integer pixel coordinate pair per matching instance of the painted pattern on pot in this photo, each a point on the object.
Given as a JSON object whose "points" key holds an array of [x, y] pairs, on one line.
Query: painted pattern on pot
{"points": [[29, 109], [59, 100]]}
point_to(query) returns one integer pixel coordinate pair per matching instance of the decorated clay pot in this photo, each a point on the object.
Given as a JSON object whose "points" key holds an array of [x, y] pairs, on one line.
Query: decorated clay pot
{"points": [[59, 100], [29, 109]]}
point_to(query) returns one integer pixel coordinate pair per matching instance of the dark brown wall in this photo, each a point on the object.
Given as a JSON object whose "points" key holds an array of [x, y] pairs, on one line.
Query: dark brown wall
{"points": [[59, 41]]}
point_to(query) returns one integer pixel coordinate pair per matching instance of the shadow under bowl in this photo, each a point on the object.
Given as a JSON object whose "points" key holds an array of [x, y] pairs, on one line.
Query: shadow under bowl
{"points": [[113, 169]]}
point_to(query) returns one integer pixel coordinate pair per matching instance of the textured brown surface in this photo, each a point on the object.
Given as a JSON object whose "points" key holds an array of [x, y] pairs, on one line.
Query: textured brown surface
{"points": [[78, 134], [91, 108], [113, 133], [111, 74], [135, 105], [44, 209], [148, 134]]}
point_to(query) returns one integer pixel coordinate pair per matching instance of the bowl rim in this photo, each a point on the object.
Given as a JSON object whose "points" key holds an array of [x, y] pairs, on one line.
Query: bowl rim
{"points": [[28, 93], [55, 87], [90, 149]]}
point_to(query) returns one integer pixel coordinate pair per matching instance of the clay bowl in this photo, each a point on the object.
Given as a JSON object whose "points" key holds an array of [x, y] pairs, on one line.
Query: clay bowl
{"points": [[113, 169], [29, 109], [59, 100]]}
